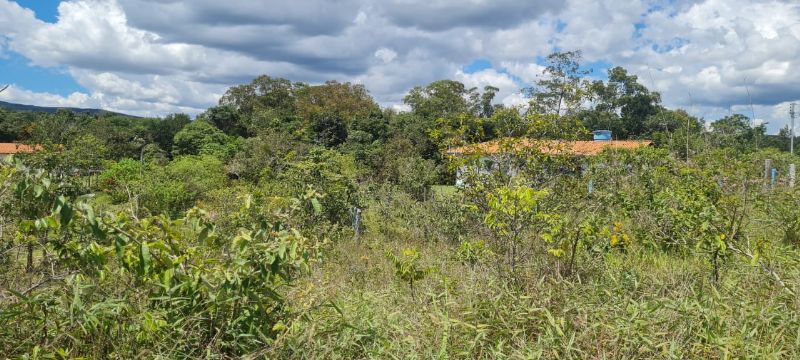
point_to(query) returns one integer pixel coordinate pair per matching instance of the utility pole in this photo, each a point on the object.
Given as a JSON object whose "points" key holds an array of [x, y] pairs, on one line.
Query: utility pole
{"points": [[791, 131]]}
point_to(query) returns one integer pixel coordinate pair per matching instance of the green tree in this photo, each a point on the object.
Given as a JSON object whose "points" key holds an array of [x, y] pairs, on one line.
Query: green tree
{"points": [[263, 93], [328, 128], [327, 172], [174, 188], [439, 99], [407, 268], [736, 131], [227, 119], [622, 105], [512, 210], [201, 137], [562, 90], [345, 101], [164, 130]]}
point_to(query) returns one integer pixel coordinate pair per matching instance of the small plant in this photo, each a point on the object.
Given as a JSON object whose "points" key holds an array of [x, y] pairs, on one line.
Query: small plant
{"points": [[618, 237], [512, 213], [408, 268]]}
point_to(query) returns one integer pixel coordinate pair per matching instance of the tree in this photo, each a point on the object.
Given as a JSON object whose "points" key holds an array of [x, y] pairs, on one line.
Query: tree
{"points": [[415, 176], [487, 108], [174, 188], [674, 129], [329, 129], [622, 105], [343, 100], [439, 99], [163, 130], [562, 90], [227, 119], [200, 137], [58, 128], [511, 211], [735, 131], [407, 267], [264, 92], [327, 172], [509, 122]]}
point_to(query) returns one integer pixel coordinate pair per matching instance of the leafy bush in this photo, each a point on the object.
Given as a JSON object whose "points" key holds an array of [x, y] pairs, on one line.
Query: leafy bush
{"points": [[327, 172], [176, 187], [226, 294]]}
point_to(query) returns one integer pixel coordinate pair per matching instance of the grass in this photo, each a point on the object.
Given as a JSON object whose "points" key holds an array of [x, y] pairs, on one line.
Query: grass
{"points": [[443, 190], [626, 305]]}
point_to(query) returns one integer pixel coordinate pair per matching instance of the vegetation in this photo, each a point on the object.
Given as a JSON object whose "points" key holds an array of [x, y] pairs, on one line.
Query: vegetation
{"points": [[304, 221]]}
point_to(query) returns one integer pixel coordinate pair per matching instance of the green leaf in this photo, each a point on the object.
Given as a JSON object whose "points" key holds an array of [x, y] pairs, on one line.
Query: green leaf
{"points": [[317, 206], [144, 258]]}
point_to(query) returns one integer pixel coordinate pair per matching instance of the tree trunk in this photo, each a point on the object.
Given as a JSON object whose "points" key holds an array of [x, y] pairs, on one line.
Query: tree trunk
{"points": [[29, 265]]}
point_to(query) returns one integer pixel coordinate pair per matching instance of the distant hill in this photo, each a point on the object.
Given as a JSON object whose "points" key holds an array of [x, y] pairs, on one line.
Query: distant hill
{"points": [[46, 109]]}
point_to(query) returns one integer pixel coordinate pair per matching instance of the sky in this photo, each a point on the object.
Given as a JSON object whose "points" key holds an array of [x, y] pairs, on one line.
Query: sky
{"points": [[154, 57]]}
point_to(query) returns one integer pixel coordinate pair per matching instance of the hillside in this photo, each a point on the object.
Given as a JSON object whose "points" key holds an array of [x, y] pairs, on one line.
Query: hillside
{"points": [[53, 109]]}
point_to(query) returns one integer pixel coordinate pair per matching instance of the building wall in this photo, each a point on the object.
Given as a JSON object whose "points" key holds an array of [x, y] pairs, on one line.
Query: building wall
{"points": [[484, 166]]}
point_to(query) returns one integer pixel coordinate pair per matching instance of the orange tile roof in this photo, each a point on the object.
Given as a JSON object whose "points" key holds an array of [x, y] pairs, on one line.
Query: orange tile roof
{"points": [[578, 148], [14, 148]]}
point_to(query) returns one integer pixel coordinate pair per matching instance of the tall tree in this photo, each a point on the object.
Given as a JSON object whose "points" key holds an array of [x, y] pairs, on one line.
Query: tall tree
{"points": [[487, 106], [562, 89], [329, 129], [264, 92], [344, 100], [737, 132], [227, 119], [163, 131], [439, 99], [622, 104]]}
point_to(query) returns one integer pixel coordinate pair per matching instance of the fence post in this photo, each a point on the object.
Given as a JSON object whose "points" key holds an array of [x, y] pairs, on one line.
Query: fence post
{"points": [[767, 171], [356, 214], [773, 177], [792, 174]]}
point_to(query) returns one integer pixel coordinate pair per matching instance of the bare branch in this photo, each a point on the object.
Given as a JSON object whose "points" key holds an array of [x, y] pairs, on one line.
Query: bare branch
{"points": [[4, 88]]}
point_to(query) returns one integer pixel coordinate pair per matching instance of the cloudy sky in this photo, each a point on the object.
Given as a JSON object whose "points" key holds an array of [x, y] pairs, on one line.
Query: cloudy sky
{"points": [[152, 57]]}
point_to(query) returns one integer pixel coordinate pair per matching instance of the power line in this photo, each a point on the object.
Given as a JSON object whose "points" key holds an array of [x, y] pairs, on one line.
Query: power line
{"points": [[752, 110]]}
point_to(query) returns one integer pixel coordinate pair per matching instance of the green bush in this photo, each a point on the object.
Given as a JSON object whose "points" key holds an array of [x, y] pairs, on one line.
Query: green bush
{"points": [[176, 187]]}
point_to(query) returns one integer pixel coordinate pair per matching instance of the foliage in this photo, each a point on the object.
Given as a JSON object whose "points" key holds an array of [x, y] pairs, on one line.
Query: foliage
{"points": [[562, 90], [512, 211], [473, 252], [234, 235], [173, 188], [200, 137], [327, 172], [407, 267]]}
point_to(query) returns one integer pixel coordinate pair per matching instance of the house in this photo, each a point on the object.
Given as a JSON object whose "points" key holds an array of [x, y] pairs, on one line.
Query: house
{"points": [[490, 154], [8, 149]]}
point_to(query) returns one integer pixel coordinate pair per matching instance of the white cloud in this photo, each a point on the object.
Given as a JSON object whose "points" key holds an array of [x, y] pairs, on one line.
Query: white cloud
{"points": [[490, 77], [385, 55], [76, 99], [158, 56]]}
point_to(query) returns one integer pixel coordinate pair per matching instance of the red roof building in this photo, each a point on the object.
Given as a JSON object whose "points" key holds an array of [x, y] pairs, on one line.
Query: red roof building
{"points": [[14, 148], [575, 148]]}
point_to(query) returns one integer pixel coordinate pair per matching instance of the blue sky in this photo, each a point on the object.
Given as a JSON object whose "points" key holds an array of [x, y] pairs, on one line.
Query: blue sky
{"points": [[154, 57], [46, 10], [18, 70]]}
